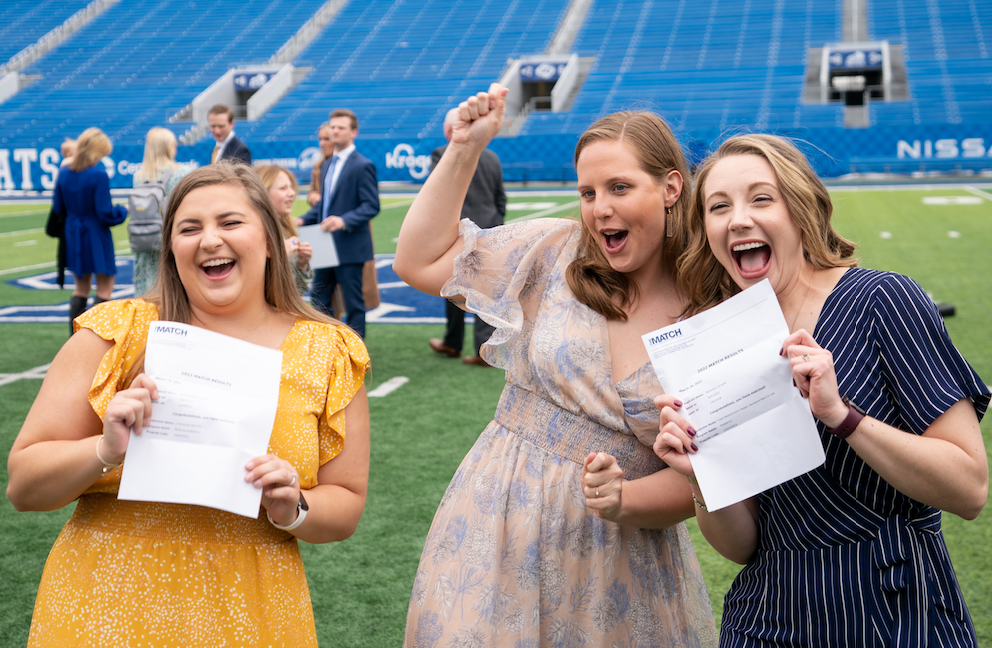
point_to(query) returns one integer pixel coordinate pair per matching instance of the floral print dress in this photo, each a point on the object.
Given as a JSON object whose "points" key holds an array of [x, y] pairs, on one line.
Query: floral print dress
{"points": [[513, 557]]}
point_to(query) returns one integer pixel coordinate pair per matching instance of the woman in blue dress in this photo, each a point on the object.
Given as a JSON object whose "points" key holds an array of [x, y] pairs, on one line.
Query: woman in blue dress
{"points": [[82, 195], [851, 553]]}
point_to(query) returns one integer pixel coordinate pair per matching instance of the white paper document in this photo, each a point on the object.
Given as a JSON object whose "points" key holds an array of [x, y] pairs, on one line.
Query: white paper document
{"points": [[753, 428], [217, 404], [325, 252]]}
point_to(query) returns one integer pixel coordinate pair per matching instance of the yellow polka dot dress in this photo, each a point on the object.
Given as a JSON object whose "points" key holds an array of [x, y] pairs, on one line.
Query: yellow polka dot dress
{"points": [[126, 573]]}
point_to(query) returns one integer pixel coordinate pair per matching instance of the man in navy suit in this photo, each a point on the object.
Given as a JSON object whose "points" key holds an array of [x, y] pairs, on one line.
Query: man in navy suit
{"points": [[228, 146], [349, 200]]}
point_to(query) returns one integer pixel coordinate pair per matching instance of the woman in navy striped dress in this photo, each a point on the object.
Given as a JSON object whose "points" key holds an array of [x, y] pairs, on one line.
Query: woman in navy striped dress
{"points": [[849, 554]]}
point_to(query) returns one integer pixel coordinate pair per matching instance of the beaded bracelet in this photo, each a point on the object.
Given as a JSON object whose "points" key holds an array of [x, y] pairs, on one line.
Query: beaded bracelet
{"points": [[692, 480]]}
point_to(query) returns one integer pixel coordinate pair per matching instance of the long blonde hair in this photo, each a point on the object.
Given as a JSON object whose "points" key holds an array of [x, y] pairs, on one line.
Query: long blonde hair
{"points": [[269, 173], [160, 154], [590, 276], [91, 147], [705, 282]]}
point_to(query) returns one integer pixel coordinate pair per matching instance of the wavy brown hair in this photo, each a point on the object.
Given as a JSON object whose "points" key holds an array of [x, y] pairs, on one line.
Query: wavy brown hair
{"points": [[168, 292], [705, 282], [590, 276]]}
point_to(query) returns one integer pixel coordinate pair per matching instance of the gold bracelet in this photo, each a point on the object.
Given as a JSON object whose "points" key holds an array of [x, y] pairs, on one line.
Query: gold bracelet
{"points": [[107, 467]]}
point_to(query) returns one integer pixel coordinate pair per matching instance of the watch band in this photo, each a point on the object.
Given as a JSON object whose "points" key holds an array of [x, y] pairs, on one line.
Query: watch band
{"points": [[301, 514], [850, 422]]}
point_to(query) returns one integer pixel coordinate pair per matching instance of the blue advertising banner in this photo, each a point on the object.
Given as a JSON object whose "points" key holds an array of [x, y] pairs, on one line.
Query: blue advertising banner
{"points": [[548, 158]]}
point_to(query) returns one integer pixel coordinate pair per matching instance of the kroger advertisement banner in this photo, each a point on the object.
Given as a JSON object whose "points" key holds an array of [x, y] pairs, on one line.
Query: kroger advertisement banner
{"points": [[548, 158]]}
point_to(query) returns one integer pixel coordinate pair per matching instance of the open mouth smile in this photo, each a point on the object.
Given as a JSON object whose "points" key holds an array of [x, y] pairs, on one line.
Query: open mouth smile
{"points": [[752, 258], [217, 268], [614, 240]]}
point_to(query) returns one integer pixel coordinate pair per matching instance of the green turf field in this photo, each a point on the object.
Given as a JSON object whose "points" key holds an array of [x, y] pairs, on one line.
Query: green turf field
{"points": [[421, 431]]}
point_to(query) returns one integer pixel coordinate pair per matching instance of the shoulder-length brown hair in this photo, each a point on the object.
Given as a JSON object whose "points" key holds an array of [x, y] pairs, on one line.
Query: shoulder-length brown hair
{"points": [[91, 147], [590, 276], [168, 292], [269, 173], [705, 282]]}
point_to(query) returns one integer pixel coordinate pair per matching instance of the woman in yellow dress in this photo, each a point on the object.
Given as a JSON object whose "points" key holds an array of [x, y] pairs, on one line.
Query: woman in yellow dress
{"points": [[146, 573]]}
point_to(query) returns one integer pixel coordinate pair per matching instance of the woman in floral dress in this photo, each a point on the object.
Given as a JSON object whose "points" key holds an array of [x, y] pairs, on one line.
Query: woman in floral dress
{"points": [[560, 528]]}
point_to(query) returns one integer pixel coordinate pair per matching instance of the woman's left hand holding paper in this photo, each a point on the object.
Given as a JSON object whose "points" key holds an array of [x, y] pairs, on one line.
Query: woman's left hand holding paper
{"points": [[280, 486]]}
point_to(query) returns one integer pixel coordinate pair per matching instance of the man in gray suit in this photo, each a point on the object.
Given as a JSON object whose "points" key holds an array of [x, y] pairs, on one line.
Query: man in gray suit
{"points": [[485, 205]]}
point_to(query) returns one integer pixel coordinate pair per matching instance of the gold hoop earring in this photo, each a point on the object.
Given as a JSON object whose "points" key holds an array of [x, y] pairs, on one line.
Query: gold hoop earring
{"points": [[668, 223]]}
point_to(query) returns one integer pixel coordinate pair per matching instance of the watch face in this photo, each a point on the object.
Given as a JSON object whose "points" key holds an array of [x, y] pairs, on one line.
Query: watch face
{"points": [[303, 503]]}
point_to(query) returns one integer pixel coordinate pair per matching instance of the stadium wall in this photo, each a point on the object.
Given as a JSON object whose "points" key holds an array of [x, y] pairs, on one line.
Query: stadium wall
{"points": [[548, 158]]}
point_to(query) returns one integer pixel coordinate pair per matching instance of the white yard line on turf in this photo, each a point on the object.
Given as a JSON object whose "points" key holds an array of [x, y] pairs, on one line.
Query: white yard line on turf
{"points": [[544, 212], [387, 387], [30, 231], [978, 192], [37, 266], [37, 372]]}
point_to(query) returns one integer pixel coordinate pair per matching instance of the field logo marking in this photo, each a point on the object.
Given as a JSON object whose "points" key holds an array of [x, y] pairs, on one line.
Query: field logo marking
{"points": [[399, 303]]}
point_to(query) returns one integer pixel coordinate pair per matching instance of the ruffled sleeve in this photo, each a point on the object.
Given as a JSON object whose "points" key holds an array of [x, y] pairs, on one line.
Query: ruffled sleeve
{"points": [[125, 323], [348, 362], [503, 275]]}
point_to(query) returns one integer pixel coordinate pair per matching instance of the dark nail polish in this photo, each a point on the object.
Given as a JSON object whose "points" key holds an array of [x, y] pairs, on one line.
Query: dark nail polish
{"points": [[781, 351], [694, 448], [793, 382], [678, 403], [691, 432]]}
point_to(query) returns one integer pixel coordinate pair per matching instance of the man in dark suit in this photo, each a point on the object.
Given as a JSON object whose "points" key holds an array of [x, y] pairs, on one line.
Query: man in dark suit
{"points": [[228, 147], [349, 200], [485, 205]]}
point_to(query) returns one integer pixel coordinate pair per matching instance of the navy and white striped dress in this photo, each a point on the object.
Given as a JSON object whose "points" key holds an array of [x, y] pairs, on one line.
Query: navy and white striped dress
{"points": [[843, 558]]}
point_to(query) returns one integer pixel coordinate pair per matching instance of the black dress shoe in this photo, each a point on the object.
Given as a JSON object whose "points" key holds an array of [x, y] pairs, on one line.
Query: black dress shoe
{"points": [[439, 347]]}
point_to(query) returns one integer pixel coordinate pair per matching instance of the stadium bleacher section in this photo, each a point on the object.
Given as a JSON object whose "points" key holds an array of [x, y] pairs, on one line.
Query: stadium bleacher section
{"points": [[708, 66], [25, 22]]}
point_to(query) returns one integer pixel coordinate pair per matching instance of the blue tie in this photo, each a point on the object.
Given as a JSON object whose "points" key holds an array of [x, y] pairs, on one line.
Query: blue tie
{"points": [[327, 185]]}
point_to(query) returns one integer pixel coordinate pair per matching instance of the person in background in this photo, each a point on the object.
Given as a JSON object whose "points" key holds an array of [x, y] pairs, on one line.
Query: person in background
{"points": [[370, 284], [55, 226], [158, 166], [561, 526], [349, 200], [851, 553], [220, 118], [184, 575], [82, 199], [282, 188], [485, 205]]}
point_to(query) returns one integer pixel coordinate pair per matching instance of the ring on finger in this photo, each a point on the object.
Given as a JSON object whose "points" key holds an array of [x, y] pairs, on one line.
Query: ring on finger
{"points": [[293, 481], [597, 491], [805, 357]]}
